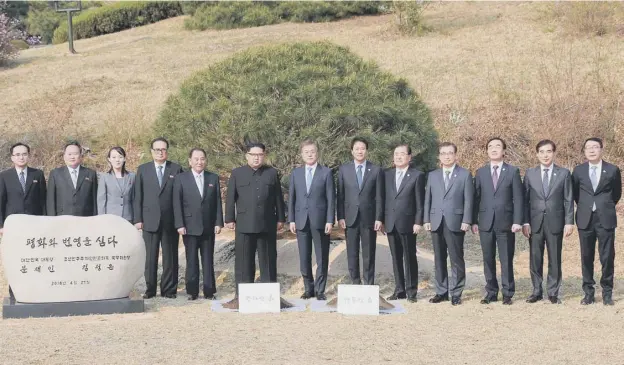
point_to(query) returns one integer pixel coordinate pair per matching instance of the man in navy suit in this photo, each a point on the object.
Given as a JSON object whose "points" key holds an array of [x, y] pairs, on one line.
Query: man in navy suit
{"points": [[597, 188], [311, 205]]}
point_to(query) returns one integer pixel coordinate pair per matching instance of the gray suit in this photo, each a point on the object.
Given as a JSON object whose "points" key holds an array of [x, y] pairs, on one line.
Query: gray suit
{"points": [[446, 209], [496, 210], [114, 196], [547, 215], [311, 211]]}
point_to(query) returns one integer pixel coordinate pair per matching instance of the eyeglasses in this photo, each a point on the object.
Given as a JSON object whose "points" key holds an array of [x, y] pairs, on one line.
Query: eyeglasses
{"points": [[159, 150], [20, 155]]}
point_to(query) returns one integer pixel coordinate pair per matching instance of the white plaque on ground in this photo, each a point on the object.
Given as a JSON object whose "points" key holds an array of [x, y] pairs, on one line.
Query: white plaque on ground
{"points": [[259, 298], [70, 259], [358, 299]]}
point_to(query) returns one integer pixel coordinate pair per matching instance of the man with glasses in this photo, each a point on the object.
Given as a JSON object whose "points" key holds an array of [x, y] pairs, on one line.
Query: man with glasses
{"points": [[597, 188], [153, 213], [72, 189], [448, 215], [254, 208], [22, 188]]}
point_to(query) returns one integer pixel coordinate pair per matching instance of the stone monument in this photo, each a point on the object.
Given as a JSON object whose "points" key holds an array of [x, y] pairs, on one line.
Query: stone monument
{"points": [[66, 265]]}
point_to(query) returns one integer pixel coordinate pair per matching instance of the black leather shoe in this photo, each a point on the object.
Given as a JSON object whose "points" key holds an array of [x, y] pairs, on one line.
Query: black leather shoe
{"points": [[587, 300], [412, 299], [507, 300], [210, 296], [307, 295], [607, 300], [192, 297], [534, 298], [170, 296], [321, 296], [439, 298], [456, 301], [488, 300], [396, 296], [554, 300], [148, 296]]}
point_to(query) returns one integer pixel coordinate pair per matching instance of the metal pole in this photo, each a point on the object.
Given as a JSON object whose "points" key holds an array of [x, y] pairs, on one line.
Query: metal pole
{"points": [[70, 34]]}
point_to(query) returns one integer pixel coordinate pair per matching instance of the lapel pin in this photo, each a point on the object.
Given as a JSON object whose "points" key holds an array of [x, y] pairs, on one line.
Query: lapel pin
{"points": [[454, 175], [86, 178], [210, 185], [35, 181], [407, 175], [554, 174], [503, 169], [171, 176], [604, 170]]}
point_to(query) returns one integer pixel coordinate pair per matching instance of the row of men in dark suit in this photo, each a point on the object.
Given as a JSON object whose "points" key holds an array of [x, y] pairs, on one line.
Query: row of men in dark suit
{"points": [[497, 205]]}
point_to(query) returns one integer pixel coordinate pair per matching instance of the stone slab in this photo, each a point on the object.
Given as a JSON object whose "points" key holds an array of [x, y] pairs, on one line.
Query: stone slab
{"points": [[71, 259], [12, 309]]}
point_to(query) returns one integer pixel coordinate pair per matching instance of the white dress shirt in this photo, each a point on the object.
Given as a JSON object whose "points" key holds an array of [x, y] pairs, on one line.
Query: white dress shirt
{"points": [[199, 180]]}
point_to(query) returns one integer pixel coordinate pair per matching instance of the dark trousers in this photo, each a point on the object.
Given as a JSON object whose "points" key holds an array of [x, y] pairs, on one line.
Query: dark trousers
{"points": [[606, 253], [194, 247], [446, 241], [404, 262], [506, 242], [169, 240], [245, 247], [553, 242], [305, 238], [368, 237]]}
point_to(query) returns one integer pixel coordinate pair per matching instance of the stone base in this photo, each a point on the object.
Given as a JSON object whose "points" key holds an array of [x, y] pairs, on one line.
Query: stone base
{"points": [[13, 309]]}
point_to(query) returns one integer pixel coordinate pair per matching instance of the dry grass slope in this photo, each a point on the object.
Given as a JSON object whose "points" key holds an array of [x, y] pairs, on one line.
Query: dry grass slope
{"points": [[487, 68]]}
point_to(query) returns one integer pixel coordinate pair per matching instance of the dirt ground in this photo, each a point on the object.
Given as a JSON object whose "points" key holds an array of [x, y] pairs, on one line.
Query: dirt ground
{"points": [[174, 331]]}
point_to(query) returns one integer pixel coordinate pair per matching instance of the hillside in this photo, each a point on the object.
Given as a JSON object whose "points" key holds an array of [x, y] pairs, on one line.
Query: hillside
{"points": [[487, 68]]}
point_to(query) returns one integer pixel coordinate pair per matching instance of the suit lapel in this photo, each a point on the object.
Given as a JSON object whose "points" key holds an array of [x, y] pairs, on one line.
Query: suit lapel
{"points": [[314, 177], [29, 179], [452, 179], [82, 174], [606, 169], [393, 182], [367, 172], [165, 178], [205, 185], [502, 175], [16, 178], [553, 177], [67, 177], [351, 173], [404, 181]]}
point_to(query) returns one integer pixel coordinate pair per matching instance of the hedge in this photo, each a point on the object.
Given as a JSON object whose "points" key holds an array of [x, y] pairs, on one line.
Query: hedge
{"points": [[116, 17]]}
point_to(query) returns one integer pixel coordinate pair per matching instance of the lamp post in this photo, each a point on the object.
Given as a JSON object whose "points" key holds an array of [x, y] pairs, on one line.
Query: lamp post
{"points": [[69, 10]]}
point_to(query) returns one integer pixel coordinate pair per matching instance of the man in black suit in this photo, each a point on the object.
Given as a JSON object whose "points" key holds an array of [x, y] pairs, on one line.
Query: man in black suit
{"points": [[597, 187], [254, 207], [72, 189], [22, 188], [311, 202], [360, 210], [403, 217], [499, 210], [153, 213], [548, 217], [198, 218], [448, 214]]}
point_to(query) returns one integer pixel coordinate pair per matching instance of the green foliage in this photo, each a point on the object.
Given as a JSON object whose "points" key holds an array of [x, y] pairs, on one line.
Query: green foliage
{"points": [[409, 17], [245, 14], [280, 95], [116, 17], [19, 44], [44, 22]]}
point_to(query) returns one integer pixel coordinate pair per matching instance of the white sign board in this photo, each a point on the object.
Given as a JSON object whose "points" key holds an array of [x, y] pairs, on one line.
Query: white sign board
{"points": [[358, 299], [259, 298], [71, 259]]}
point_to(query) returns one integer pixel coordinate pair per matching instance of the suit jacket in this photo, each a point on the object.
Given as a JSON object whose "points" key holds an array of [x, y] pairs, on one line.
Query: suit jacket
{"points": [[254, 200], [198, 214], [13, 200], [454, 204], [498, 208], [404, 208], [557, 208], [368, 203], [114, 196], [318, 205], [153, 204], [606, 196], [64, 199]]}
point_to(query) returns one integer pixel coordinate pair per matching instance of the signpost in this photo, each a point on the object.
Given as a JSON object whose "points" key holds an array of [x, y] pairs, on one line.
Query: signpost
{"points": [[69, 9]]}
